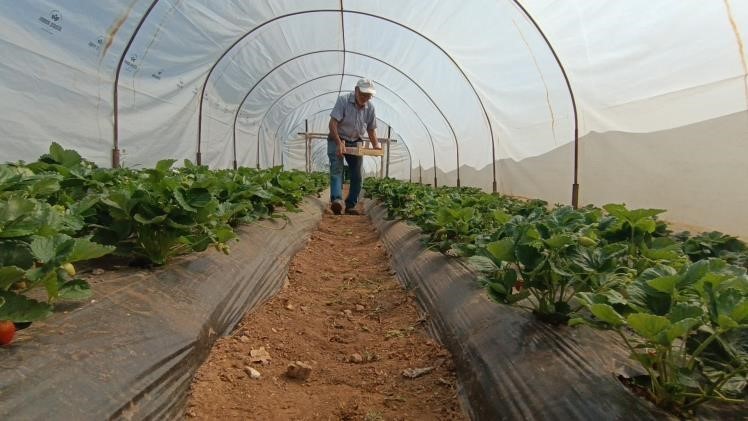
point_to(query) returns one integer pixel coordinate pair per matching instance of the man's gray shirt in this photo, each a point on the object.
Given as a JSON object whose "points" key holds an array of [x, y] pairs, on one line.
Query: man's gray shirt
{"points": [[353, 122]]}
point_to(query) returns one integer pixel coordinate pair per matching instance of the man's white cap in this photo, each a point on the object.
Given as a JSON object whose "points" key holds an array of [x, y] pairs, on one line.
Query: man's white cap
{"points": [[366, 86]]}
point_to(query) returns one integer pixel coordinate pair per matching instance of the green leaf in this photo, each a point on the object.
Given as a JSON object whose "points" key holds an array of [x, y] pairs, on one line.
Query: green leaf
{"points": [[182, 202], [14, 208], [648, 325], [9, 275], [43, 248], [77, 289], [664, 284], [576, 321], [685, 311], [681, 328], [646, 225], [15, 253], [85, 249], [85, 204], [513, 298], [499, 290], [52, 249], [501, 217], [20, 228], [482, 264], [155, 220], [224, 234], [45, 187], [726, 323], [558, 241], [199, 198], [694, 272], [65, 157], [164, 164], [22, 309], [607, 314], [740, 312], [51, 284], [502, 250], [728, 300]]}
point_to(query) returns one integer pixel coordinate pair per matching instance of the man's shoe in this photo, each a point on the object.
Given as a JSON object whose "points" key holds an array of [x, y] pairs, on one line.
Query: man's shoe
{"points": [[336, 207], [352, 211]]}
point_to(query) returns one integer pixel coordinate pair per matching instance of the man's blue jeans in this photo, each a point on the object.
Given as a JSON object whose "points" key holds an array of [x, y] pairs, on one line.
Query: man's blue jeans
{"points": [[336, 174]]}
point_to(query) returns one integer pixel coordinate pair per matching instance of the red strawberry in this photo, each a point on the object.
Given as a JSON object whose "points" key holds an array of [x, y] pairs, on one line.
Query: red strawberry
{"points": [[7, 331]]}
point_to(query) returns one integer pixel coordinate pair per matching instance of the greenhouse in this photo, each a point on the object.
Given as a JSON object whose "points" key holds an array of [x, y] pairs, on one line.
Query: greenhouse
{"points": [[550, 225]]}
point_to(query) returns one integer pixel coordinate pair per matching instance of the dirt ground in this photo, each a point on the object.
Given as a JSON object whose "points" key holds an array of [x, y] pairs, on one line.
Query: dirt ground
{"points": [[345, 316]]}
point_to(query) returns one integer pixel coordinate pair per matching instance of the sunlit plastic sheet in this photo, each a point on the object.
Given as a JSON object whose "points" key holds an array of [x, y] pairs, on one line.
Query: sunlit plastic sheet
{"points": [[132, 352], [510, 366]]}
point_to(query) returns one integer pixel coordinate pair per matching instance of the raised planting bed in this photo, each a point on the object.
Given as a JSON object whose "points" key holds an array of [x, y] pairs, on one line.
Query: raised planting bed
{"points": [[510, 364], [677, 302], [130, 351]]}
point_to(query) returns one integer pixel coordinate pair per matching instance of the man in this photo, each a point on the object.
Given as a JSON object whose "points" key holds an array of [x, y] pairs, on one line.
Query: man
{"points": [[351, 118]]}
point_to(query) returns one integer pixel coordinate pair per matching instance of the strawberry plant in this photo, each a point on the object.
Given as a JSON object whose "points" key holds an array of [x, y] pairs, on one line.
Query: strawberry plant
{"points": [[689, 330], [551, 256], [714, 244], [36, 250], [62, 209]]}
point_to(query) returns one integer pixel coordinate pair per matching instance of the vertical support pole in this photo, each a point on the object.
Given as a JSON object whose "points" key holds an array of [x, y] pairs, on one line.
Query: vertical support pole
{"points": [[420, 173], [389, 136], [306, 145], [115, 158], [381, 165]]}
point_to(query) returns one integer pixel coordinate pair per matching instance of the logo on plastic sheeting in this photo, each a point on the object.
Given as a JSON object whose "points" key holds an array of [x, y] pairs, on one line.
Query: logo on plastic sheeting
{"points": [[98, 44], [130, 62], [51, 22], [157, 75]]}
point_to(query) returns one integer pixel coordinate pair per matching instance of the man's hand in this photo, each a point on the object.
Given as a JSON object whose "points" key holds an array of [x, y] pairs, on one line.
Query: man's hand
{"points": [[341, 149], [373, 139]]}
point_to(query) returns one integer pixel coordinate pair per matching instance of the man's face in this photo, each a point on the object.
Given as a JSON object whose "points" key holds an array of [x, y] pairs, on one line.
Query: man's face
{"points": [[362, 98]]}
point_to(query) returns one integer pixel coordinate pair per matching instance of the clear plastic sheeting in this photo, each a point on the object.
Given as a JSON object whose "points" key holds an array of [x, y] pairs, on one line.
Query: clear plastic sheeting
{"points": [[477, 90]]}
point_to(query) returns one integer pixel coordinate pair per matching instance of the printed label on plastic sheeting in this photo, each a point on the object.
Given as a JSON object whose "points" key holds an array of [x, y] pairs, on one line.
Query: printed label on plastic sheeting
{"points": [[52, 22]]}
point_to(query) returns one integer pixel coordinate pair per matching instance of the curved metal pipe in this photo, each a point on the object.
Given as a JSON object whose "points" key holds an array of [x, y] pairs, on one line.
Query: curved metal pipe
{"points": [[575, 186], [115, 104], [342, 35], [241, 104], [328, 109], [428, 132], [335, 92], [404, 143], [457, 148], [464, 75]]}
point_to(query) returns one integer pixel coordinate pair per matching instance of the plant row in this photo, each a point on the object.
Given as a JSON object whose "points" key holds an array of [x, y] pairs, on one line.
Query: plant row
{"points": [[679, 302], [63, 209]]}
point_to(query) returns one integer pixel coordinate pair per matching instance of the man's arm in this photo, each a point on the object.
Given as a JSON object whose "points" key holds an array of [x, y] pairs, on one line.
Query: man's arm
{"points": [[334, 132], [373, 139]]}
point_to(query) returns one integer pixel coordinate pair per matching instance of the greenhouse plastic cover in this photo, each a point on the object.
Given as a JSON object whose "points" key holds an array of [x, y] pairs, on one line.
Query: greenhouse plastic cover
{"points": [[474, 92]]}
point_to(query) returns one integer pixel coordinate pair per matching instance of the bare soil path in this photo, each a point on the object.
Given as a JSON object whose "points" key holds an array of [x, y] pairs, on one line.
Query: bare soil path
{"points": [[344, 315]]}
